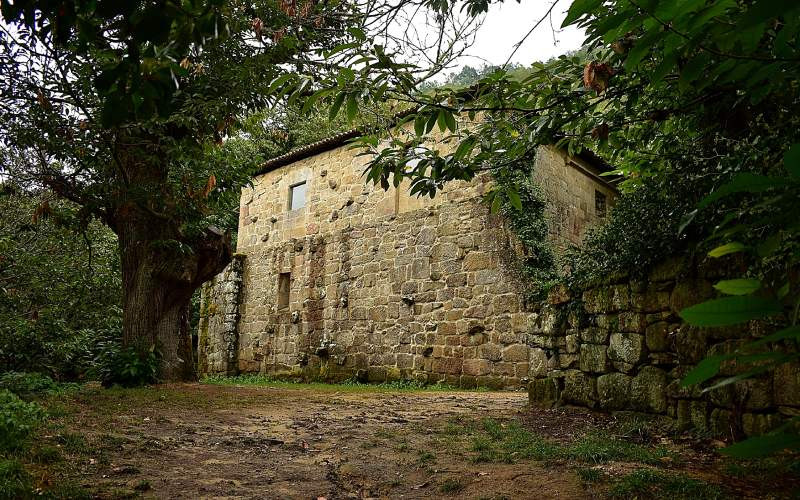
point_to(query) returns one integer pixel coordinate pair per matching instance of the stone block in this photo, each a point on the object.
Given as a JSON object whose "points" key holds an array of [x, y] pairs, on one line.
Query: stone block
{"points": [[450, 366], [489, 351], [689, 293], [579, 388], [543, 392], [539, 365], [514, 353], [594, 335], [650, 301], [613, 391], [722, 423], [593, 358], [573, 343], [477, 367], [786, 380], [626, 350], [648, 390], [658, 337], [691, 343], [755, 424], [475, 261], [631, 322]]}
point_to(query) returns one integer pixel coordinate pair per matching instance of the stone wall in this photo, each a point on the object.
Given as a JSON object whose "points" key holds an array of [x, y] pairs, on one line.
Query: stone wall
{"points": [[622, 346], [383, 285], [218, 336]]}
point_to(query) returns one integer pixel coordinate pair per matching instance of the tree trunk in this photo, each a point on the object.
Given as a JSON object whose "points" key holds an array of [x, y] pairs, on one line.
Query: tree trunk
{"points": [[159, 276]]}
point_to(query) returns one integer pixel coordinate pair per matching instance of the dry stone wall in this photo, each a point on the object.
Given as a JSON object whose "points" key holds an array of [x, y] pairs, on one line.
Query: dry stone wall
{"points": [[381, 285], [621, 346]]}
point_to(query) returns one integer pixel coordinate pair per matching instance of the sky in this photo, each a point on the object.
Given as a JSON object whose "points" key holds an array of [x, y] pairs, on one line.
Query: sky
{"points": [[508, 22]]}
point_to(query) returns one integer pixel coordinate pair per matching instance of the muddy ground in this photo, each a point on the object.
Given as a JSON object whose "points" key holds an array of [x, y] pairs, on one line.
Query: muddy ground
{"points": [[210, 441]]}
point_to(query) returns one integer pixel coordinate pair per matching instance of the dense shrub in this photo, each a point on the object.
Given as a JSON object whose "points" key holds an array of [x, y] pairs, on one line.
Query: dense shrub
{"points": [[17, 420], [125, 366], [59, 285], [22, 383]]}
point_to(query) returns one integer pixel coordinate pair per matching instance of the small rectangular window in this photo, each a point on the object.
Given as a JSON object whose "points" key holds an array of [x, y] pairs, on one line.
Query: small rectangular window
{"points": [[599, 204], [297, 196], [284, 283]]}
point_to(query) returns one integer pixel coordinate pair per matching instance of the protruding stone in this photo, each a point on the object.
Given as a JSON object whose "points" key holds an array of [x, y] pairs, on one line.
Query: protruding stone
{"points": [[613, 391], [626, 350], [579, 388], [648, 390], [543, 392], [593, 358]]}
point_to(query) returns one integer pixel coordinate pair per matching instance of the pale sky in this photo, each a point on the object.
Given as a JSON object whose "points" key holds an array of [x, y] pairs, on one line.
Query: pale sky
{"points": [[508, 22]]}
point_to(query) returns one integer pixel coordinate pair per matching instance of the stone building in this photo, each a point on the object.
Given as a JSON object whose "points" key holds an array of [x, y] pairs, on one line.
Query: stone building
{"points": [[335, 278]]}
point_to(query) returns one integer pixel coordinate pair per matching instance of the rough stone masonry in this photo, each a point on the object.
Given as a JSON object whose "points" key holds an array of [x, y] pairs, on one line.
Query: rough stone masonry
{"points": [[337, 279]]}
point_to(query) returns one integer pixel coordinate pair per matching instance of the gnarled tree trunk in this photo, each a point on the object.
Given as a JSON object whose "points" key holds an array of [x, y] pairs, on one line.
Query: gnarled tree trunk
{"points": [[160, 272]]}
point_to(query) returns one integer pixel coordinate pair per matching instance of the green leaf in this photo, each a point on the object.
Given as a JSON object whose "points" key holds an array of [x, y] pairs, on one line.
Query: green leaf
{"points": [[513, 198], [442, 120], [742, 286], [692, 70], [419, 125], [730, 310], [450, 120], [791, 160], [742, 183], [578, 9], [337, 104], [762, 446], [728, 248], [352, 107], [705, 369], [793, 332], [278, 82]]}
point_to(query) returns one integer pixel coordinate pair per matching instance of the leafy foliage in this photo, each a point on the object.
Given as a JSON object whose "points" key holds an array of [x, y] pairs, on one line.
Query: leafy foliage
{"points": [[59, 285], [22, 383], [524, 209], [125, 366], [17, 420]]}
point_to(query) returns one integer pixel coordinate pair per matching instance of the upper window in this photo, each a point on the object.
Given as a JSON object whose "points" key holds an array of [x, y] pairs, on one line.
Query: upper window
{"points": [[297, 195], [599, 204]]}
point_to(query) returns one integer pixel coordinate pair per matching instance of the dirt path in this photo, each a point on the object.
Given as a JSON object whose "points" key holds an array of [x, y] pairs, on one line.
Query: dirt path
{"points": [[191, 442], [207, 441]]}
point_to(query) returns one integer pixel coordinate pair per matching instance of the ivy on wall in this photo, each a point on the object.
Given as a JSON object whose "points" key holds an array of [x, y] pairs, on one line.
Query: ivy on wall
{"points": [[523, 208]]}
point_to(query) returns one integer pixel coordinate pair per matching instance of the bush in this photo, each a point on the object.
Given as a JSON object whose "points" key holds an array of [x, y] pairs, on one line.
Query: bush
{"points": [[17, 420], [125, 366], [14, 480], [22, 383]]}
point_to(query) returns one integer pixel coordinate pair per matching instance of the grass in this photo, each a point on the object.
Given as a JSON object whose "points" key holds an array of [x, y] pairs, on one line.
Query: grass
{"points": [[587, 475], [259, 380], [15, 482], [648, 483], [509, 442], [451, 486]]}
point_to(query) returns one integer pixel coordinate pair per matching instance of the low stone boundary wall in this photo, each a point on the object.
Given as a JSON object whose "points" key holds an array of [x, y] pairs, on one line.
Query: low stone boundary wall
{"points": [[622, 346]]}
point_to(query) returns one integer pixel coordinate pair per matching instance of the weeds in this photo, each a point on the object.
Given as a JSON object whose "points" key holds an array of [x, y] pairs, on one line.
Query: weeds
{"points": [[648, 483], [451, 486], [15, 482], [587, 475]]}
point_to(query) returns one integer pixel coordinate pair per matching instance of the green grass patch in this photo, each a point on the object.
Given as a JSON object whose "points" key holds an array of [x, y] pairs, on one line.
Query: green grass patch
{"points": [[74, 443], [15, 482], [450, 486], [46, 454], [425, 458], [646, 483], [510, 441], [587, 475]]}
